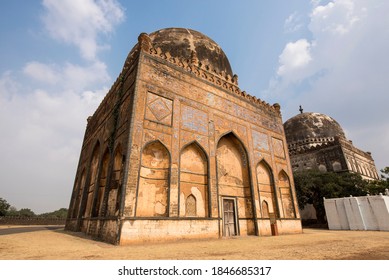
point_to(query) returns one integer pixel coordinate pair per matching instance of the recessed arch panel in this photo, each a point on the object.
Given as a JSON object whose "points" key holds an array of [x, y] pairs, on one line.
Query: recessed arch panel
{"points": [[78, 194], [193, 179], [116, 183], [102, 183], [286, 195], [93, 171], [233, 179], [152, 198], [266, 189]]}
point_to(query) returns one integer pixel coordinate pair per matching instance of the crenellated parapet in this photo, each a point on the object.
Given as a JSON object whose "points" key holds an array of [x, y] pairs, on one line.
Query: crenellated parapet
{"points": [[311, 144], [198, 68]]}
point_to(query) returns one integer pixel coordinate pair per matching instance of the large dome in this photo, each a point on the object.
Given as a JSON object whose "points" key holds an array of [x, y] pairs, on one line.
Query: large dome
{"points": [[181, 42], [311, 125]]}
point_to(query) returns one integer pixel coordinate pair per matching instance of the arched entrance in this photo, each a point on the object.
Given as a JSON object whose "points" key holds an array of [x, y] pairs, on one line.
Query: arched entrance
{"points": [[234, 187]]}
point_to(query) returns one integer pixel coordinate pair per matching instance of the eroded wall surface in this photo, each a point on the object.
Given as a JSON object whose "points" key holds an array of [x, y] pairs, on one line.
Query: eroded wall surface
{"points": [[223, 149], [97, 192], [176, 150]]}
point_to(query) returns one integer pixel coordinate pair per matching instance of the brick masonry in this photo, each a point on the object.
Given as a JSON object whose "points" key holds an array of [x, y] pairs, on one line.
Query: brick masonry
{"points": [[188, 145]]}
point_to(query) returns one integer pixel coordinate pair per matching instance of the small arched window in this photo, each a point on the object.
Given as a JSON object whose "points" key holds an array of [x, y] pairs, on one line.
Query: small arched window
{"points": [[265, 209], [190, 206]]}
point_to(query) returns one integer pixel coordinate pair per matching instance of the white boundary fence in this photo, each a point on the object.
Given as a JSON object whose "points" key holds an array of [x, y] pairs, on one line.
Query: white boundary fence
{"points": [[358, 213]]}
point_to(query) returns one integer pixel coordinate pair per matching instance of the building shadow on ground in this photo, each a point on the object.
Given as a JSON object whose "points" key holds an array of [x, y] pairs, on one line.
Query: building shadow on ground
{"points": [[24, 229]]}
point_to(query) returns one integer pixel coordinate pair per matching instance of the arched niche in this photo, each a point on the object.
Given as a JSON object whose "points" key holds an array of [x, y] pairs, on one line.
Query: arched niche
{"points": [[92, 180], [266, 189], [193, 180], [265, 209], [286, 195], [322, 168], [153, 186], [336, 166], [78, 194], [191, 206], [233, 183], [116, 184], [102, 185]]}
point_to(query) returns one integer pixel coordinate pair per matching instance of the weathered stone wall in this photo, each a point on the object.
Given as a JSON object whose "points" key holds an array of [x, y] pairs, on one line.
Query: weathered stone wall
{"points": [[325, 157], [289, 226], [171, 147], [99, 178], [140, 231], [226, 134], [359, 161], [335, 154]]}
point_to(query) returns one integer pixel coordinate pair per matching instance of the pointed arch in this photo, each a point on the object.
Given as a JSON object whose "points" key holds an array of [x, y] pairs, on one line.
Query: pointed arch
{"points": [[265, 209], [285, 191], [191, 206], [76, 189], [116, 183], [236, 138], [233, 179], [336, 166], [102, 183], [266, 189], [194, 178], [78, 194], [153, 185], [93, 166]]}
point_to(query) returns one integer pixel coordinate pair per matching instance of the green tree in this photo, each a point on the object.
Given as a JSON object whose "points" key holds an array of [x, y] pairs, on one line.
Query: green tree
{"points": [[385, 175], [26, 212], [13, 211], [312, 186], [379, 186], [4, 206], [60, 213]]}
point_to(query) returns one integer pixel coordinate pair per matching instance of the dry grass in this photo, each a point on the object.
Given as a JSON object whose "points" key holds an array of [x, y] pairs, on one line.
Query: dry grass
{"points": [[53, 243]]}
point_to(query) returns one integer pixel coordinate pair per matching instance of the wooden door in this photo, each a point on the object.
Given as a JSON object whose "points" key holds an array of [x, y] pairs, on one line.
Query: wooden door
{"points": [[229, 218]]}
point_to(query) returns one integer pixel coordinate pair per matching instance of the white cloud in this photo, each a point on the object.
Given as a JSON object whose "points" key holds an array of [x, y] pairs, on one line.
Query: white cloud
{"points": [[293, 23], [44, 107], [294, 56], [41, 72], [336, 17], [42, 132], [68, 76], [341, 71], [80, 23], [84, 77]]}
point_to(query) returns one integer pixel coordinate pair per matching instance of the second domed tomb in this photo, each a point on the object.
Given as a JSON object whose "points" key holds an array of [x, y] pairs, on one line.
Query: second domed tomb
{"points": [[177, 150], [317, 141]]}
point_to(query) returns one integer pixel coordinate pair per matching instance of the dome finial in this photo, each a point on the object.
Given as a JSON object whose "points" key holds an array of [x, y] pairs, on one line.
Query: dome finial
{"points": [[301, 109]]}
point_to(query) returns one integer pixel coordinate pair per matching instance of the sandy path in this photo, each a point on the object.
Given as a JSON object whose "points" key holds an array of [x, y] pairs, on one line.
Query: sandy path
{"points": [[40, 242]]}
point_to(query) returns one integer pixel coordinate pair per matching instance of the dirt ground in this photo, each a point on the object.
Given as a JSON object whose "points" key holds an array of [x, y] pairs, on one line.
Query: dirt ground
{"points": [[53, 243]]}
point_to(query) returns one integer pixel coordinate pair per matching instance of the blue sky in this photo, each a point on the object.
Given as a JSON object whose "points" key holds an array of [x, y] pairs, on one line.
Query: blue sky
{"points": [[59, 58]]}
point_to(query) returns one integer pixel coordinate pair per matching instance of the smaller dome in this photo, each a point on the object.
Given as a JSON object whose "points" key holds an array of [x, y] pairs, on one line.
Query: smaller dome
{"points": [[311, 125]]}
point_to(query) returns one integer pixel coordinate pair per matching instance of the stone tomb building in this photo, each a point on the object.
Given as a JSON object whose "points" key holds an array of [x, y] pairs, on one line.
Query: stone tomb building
{"points": [[317, 141], [177, 150]]}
